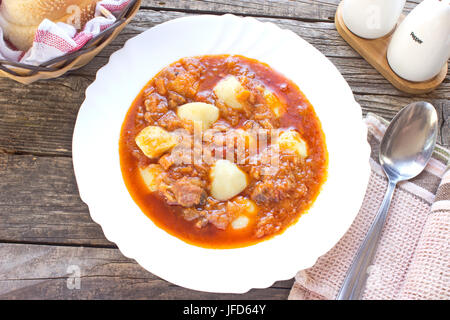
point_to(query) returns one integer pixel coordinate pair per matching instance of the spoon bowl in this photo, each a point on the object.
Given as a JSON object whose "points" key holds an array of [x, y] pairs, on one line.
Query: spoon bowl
{"points": [[409, 141]]}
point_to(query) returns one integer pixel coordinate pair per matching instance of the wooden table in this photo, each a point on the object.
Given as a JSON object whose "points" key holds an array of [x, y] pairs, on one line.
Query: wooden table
{"points": [[46, 232]]}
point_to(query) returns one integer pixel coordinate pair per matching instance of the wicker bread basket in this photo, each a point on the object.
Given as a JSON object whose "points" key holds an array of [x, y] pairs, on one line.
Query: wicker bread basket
{"points": [[54, 68]]}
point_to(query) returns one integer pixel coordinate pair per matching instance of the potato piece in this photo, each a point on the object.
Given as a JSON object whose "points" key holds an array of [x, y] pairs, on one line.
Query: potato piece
{"points": [[228, 90], [274, 103], [152, 176], [240, 222], [154, 141], [292, 141], [241, 205], [204, 113], [245, 211], [227, 180]]}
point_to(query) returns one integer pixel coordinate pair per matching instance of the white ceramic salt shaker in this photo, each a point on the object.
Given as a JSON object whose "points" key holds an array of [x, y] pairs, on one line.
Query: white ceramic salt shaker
{"points": [[371, 19], [421, 44]]}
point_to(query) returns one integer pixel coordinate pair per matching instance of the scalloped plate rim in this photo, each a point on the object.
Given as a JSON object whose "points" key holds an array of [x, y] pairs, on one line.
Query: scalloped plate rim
{"points": [[115, 236]]}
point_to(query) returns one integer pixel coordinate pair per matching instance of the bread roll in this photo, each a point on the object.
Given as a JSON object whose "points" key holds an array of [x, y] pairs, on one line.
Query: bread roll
{"points": [[19, 20]]}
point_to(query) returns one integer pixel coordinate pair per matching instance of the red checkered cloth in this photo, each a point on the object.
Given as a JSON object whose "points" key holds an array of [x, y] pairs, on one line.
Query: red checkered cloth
{"points": [[53, 40]]}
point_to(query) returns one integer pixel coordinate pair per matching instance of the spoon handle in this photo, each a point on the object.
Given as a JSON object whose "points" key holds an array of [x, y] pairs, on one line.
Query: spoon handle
{"points": [[355, 280]]}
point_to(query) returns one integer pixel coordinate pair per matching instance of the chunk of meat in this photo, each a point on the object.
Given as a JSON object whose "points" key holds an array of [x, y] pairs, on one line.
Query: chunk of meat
{"points": [[267, 225], [156, 103], [188, 192], [184, 83], [161, 86], [202, 222], [265, 192], [219, 218], [274, 189], [170, 121], [190, 214], [166, 161], [175, 100]]}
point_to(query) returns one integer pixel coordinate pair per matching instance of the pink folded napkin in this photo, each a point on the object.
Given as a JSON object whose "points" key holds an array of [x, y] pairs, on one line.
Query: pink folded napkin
{"points": [[53, 40], [413, 256]]}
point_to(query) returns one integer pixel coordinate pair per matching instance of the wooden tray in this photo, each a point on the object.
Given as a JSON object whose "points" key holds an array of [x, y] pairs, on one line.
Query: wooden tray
{"points": [[375, 52], [28, 74]]}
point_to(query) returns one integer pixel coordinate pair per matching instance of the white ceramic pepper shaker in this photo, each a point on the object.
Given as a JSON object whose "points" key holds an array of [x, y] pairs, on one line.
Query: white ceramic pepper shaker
{"points": [[421, 44], [371, 19]]}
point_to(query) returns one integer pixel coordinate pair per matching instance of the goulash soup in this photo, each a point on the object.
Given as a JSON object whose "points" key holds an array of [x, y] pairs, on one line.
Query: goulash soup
{"points": [[222, 151]]}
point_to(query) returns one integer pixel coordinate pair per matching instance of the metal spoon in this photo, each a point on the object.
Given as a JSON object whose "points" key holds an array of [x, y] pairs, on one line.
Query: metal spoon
{"points": [[405, 150]]}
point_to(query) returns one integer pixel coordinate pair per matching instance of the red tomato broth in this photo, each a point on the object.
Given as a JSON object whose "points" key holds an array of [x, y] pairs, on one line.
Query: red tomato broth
{"points": [[299, 114]]}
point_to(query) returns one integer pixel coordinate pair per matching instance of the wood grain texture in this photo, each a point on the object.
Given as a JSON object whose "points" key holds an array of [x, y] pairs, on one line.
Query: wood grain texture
{"points": [[306, 10], [45, 227], [42, 272], [285, 9], [39, 203], [39, 118]]}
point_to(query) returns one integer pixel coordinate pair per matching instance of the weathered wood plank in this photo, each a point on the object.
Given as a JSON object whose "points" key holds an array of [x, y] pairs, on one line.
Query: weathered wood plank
{"points": [[293, 9], [39, 202], [307, 10], [39, 118], [42, 272]]}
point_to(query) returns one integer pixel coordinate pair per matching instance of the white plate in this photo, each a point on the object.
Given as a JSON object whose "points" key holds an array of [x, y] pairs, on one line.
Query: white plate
{"points": [[97, 168]]}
